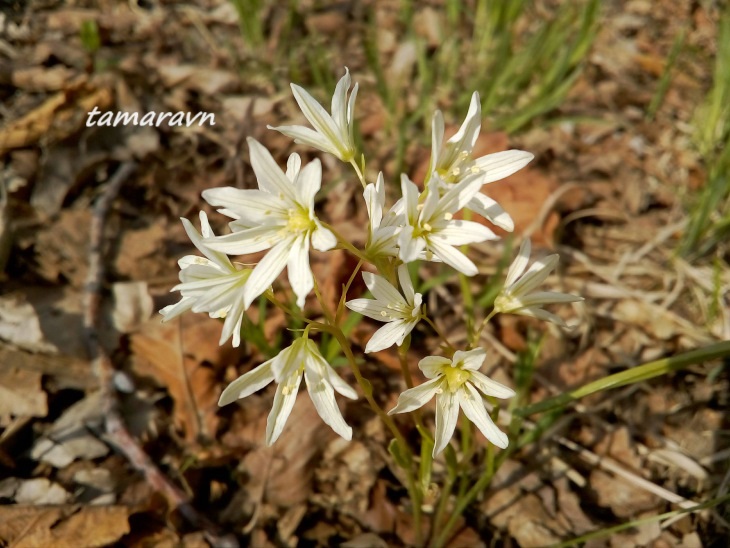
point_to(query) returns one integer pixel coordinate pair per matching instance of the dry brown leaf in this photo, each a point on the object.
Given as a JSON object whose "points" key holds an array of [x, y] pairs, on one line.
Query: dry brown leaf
{"points": [[63, 526], [174, 354], [21, 394]]}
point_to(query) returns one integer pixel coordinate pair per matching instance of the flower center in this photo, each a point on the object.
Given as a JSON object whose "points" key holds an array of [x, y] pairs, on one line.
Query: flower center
{"points": [[299, 220], [455, 377]]}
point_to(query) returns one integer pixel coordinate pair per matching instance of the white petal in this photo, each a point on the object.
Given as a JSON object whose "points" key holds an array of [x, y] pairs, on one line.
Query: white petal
{"points": [[490, 387], [286, 396], [491, 210], [251, 240], [339, 385], [323, 398], [199, 242], [388, 335], [431, 203], [322, 238], [315, 358], [458, 196], [447, 413], [300, 274], [519, 264], [410, 198], [293, 166], [268, 174], [453, 257], [463, 232], [410, 247], [251, 206], [541, 314], [547, 297], [406, 284], [308, 183], [473, 406], [372, 202], [339, 102], [247, 384], [470, 360], [266, 271], [174, 310], [370, 308], [381, 289], [317, 116], [432, 365], [416, 397], [437, 137], [535, 275], [307, 136], [232, 323], [502, 164]]}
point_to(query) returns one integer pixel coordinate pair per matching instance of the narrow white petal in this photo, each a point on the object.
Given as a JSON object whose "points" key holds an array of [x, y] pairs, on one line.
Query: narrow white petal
{"points": [[286, 362], [309, 181], [317, 116], [458, 196], [546, 297], [286, 396], [174, 310], [490, 387], [410, 247], [293, 166], [473, 406], [463, 232], [339, 385], [452, 257], [370, 308], [431, 203], [323, 397], [232, 323], [306, 136], [243, 242], [464, 139], [199, 242], [416, 397], [447, 413], [373, 204], [470, 360], [268, 174], [502, 164], [535, 275], [381, 289], [351, 110], [251, 206], [322, 238], [491, 210], [519, 264], [431, 366], [300, 274], [388, 335], [266, 271], [339, 102], [247, 384], [406, 284], [541, 314], [437, 137], [315, 358], [410, 198]]}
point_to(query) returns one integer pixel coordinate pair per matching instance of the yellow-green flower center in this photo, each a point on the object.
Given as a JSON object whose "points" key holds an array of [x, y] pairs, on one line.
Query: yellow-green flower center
{"points": [[299, 220], [455, 377]]}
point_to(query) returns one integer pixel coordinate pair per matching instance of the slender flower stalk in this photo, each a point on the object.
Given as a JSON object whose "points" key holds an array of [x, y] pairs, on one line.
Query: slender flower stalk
{"points": [[401, 312], [210, 284], [456, 383], [301, 359], [332, 133], [517, 296], [279, 215]]}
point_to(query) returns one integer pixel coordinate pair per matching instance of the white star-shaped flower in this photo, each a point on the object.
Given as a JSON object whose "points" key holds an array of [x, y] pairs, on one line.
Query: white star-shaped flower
{"points": [[332, 133], [453, 161], [302, 358], [456, 383], [383, 230], [280, 215], [516, 297], [210, 284], [401, 311], [431, 227]]}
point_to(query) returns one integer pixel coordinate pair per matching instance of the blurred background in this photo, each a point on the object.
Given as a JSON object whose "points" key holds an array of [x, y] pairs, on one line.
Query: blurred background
{"points": [[626, 106]]}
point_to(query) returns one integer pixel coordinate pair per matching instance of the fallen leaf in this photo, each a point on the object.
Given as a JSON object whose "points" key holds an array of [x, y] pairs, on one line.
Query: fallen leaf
{"points": [[21, 394]]}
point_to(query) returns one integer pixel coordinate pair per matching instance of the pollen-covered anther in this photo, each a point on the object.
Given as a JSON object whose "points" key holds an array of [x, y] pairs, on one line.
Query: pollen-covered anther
{"points": [[448, 216]]}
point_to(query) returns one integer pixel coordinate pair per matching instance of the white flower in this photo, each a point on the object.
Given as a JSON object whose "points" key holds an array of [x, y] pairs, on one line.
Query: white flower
{"points": [[456, 383], [302, 358], [383, 232], [515, 296], [453, 161], [401, 311], [280, 215], [210, 284], [431, 227], [334, 134]]}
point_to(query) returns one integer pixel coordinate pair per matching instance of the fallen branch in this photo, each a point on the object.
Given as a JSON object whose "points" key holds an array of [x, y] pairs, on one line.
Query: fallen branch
{"points": [[103, 370]]}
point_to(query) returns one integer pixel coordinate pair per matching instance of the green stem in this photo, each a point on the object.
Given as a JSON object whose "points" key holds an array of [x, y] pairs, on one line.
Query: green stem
{"points": [[631, 376], [438, 332], [359, 172], [344, 244]]}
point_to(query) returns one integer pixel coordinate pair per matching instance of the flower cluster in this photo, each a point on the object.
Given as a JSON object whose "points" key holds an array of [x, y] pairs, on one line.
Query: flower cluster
{"points": [[424, 224]]}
